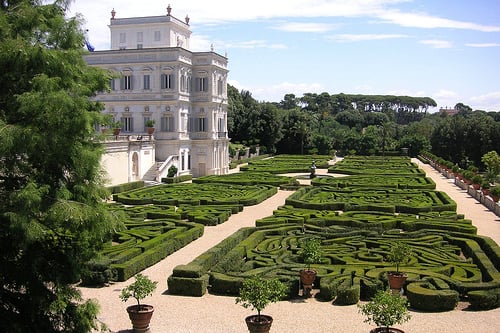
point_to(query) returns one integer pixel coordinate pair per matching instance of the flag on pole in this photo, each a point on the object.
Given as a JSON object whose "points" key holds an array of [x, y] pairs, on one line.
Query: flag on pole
{"points": [[89, 46]]}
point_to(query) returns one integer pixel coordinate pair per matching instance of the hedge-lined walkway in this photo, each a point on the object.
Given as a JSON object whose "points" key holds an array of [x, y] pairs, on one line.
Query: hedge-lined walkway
{"points": [[212, 313], [487, 223]]}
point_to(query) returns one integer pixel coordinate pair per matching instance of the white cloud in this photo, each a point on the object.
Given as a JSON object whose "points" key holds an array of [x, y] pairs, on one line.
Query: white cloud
{"points": [[446, 98], [437, 43], [423, 20], [254, 44], [305, 27], [443, 93], [489, 101], [364, 37], [483, 44]]}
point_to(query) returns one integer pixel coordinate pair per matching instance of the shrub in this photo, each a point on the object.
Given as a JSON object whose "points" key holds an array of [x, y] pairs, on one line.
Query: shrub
{"points": [[385, 310], [172, 171], [258, 292]]}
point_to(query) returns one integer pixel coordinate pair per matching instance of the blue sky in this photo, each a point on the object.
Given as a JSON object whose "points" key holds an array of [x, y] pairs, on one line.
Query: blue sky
{"points": [[448, 50]]}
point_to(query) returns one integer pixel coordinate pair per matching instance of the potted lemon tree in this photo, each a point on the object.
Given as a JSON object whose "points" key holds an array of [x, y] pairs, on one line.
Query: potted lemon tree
{"points": [[257, 292], [150, 126], [139, 314], [399, 254], [310, 253], [385, 310]]}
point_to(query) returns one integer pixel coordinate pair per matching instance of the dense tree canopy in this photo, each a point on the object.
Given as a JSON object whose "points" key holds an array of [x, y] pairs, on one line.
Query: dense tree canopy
{"points": [[365, 124], [52, 215]]}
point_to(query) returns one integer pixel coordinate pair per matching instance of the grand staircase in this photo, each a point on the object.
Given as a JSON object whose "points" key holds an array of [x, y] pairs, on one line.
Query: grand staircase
{"points": [[150, 175]]}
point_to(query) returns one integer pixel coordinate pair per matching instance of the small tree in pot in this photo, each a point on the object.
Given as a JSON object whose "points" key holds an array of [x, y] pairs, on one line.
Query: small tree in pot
{"points": [[310, 253], [139, 314], [385, 310], [257, 293], [150, 126], [400, 253]]}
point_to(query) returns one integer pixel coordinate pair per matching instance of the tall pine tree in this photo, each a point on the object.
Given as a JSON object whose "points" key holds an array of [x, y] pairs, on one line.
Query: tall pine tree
{"points": [[52, 215]]}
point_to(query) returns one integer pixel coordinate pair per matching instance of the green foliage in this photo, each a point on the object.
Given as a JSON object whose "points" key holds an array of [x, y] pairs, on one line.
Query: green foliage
{"points": [[495, 190], [172, 171], [116, 124], [310, 251], [399, 253], [150, 123], [385, 309], [258, 292], [492, 162], [141, 288], [425, 296], [52, 213], [477, 179], [355, 243]]}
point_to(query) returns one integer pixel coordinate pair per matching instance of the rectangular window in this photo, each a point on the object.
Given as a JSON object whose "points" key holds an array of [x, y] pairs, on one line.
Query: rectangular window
{"points": [[202, 124], [167, 81], [139, 37], [126, 82], [128, 124], [201, 84], [123, 37], [220, 125], [168, 124], [183, 83], [147, 82], [220, 90], [157, 36], [112, 84], [139, 46], [197, 124]]}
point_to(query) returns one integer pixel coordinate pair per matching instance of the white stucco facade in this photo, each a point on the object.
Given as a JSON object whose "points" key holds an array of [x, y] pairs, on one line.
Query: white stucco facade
{"points": [[158, 78]]}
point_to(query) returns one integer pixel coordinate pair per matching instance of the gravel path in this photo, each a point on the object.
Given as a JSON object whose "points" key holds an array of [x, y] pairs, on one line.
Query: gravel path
{"points": [[220, 314]]}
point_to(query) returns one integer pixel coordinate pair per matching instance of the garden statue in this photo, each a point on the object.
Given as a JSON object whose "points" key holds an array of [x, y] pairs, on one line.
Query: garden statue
{"points": [[313, 169]]}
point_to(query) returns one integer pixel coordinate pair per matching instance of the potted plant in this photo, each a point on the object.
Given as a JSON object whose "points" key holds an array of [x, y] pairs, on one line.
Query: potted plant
{"points": [[106, 122], [150, 126], [385, 310], [495, 193], [139, 314], [257, 292], [310, 253], [399, 254], [117, 127], [476, 181], [485, 187], [468, 176]]}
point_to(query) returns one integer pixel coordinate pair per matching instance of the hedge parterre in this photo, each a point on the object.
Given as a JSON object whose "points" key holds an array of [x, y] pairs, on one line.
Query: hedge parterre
{"points": [[357, 225]]}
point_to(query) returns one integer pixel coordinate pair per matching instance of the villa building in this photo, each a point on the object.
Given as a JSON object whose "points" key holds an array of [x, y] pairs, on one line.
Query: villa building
{"points": [[158, 78]]}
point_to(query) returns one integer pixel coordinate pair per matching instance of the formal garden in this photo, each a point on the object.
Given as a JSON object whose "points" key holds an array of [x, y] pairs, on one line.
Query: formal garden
{"points": [[354, 213]]}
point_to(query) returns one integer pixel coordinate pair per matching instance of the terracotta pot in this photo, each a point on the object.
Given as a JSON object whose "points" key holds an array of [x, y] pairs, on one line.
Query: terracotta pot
{"points": [[307, 276], [384, 330], [150, 130], [256, 326], [396, 280], [116, 131], [140, 316]]}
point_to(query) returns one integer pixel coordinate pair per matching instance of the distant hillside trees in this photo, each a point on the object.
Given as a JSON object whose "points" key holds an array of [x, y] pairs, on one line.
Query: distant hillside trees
{"points": [[362, 124]]}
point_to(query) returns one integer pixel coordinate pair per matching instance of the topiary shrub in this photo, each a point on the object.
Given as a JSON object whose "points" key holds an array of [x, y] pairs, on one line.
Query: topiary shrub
{"points": [[484, 299], [423, 296], [172, 171]]}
